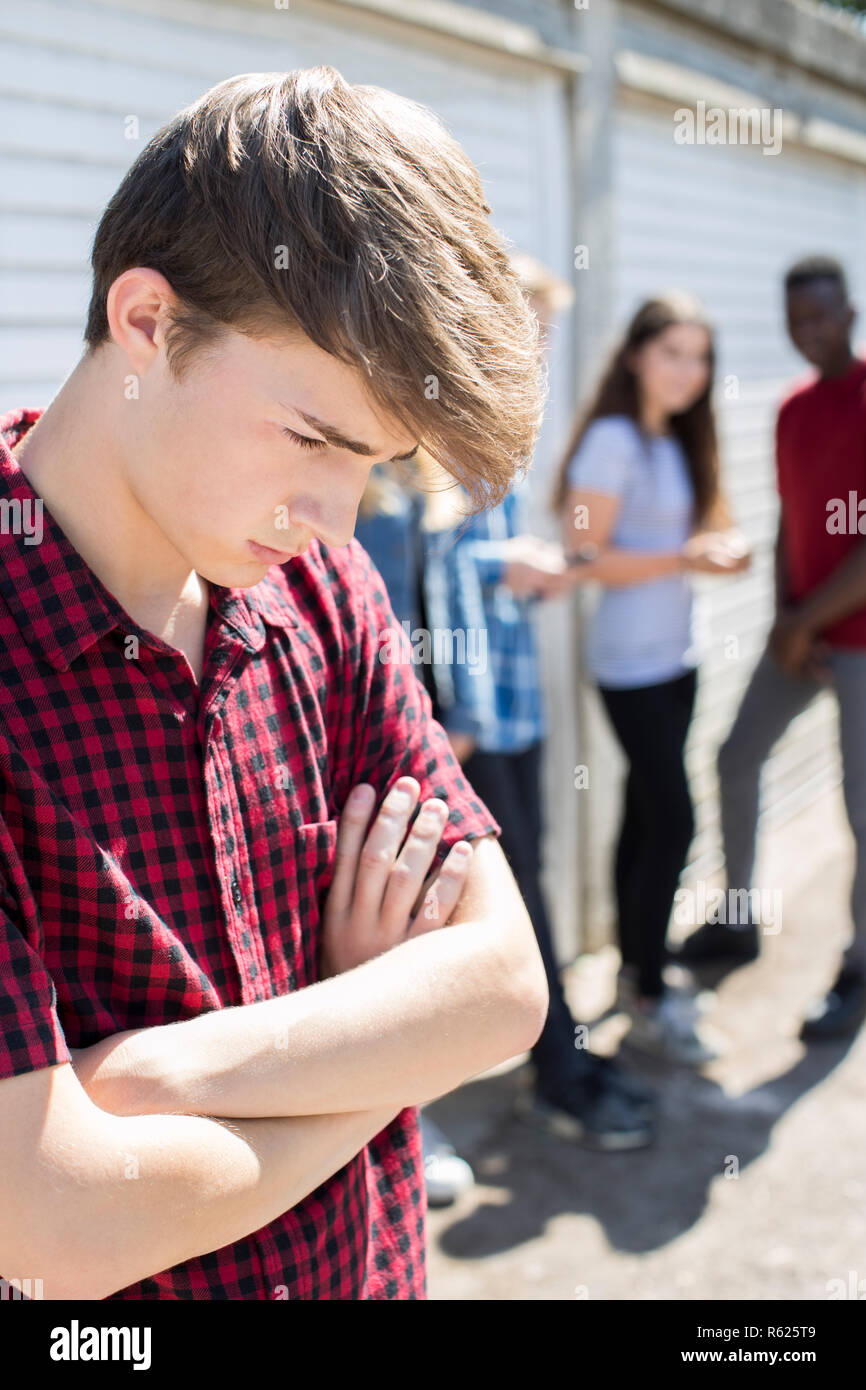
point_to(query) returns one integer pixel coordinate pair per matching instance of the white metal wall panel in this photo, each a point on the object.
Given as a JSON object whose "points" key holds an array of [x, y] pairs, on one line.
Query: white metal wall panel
{"points": [[72, 73]]}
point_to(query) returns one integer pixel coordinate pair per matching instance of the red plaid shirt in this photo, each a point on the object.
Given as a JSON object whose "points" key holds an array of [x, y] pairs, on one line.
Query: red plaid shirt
{"points": [[165, 848]]}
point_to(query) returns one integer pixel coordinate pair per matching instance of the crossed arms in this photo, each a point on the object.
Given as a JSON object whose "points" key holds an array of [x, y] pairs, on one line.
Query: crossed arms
{"points": [[230, 1119]]}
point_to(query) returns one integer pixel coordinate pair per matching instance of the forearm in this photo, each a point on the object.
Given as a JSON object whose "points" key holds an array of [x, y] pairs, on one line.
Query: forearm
{"points": [[781, 579], [617, 568], [841, 593], [402, 1028], [780, 568], [170, 1187]]}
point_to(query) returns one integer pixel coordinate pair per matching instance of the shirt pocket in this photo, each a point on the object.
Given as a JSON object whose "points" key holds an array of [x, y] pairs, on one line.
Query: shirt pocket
{"points": [[317, 852], [315, 860]]}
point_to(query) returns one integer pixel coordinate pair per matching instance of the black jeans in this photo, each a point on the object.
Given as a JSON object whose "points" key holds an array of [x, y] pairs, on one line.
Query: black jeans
{"points": [[651, 723], [510, 786]]}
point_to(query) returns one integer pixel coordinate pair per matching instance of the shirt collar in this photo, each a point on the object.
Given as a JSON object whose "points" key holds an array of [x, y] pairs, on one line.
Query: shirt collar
{"points": [[60, 605]]}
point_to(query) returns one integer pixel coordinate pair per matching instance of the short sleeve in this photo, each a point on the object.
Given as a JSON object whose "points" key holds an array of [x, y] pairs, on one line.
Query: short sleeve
{"points": [[604, 461], [394, 733], [31, 1036]]}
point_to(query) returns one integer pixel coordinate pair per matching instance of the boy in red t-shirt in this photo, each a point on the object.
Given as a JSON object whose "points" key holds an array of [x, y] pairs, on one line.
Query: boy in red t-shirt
{"points": [[819, 635]]}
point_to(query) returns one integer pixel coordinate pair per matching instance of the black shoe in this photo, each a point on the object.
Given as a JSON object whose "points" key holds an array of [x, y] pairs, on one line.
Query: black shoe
{"points": [[716, 941], [597, 1116], [841, 1011], [643, 1097]]}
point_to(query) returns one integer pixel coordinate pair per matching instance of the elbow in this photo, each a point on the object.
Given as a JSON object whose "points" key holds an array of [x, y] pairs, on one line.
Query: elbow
{"points": [[532, 1006], [526, 995]]}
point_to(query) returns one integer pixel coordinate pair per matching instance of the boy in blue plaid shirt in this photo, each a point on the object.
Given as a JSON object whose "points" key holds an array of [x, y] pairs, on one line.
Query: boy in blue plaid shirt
{"points": [[500, 571]]}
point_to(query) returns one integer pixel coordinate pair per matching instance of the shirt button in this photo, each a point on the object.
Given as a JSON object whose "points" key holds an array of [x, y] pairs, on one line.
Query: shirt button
{"points": [[237, 895]]}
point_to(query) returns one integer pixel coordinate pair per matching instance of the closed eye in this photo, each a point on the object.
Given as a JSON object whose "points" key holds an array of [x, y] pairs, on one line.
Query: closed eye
{"points": [[303, 441]]}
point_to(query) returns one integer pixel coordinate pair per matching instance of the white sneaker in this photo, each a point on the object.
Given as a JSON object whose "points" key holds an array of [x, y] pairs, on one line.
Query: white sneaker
{"points": [[446, 1175], [672, 1029]]}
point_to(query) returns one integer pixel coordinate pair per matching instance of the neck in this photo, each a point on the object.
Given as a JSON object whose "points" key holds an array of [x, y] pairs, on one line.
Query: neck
{"points": [[73, 459], [654, 418], [839, 367]]}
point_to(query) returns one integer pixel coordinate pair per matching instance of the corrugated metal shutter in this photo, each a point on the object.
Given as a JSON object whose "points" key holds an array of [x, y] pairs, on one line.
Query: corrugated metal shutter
{"points": [[725, 222]]}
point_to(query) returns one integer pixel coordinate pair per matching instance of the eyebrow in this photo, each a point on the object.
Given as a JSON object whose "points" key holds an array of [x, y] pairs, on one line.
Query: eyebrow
{"points": [[340, 440]]}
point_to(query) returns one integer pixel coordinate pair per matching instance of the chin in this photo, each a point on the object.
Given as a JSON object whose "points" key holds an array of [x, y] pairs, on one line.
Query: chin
{"points": [[237, 574], [815, 359]]}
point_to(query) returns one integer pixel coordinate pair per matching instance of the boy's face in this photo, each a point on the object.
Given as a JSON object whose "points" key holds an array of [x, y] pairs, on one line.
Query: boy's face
{"points": [[819, 322], [213, 461]]}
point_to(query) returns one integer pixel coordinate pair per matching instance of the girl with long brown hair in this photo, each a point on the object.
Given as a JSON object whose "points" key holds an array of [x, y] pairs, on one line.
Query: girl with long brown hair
{"points": [[638, 493]]}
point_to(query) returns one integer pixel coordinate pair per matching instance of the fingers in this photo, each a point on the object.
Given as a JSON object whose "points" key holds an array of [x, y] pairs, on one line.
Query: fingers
{"points": [[378, 894], [351, 830], [379, 851], [561, 583], [412, 863], [444, 892], [816, 664]]}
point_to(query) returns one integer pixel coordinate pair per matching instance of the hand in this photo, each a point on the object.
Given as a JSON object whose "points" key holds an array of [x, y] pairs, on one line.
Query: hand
{"points": [[534, 567], [462, 745], [716, 552], [379, 897], [816, 663], [736, 545], [795, 648]]}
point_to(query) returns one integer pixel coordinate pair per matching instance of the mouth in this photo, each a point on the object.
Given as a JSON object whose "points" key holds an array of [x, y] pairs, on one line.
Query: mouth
{"points": [[272, 557]]}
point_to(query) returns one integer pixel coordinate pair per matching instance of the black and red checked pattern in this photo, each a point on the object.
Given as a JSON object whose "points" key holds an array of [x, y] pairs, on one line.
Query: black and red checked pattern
{"points": [[165, 846]]}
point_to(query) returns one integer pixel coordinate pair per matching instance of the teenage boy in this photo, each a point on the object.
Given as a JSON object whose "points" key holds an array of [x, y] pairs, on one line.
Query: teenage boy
{"points": [[819, 635], [192, 689]]}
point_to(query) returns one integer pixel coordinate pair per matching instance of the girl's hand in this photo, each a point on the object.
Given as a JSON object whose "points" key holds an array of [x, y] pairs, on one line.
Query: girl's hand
{"points": [[379, 896], [717, 552]]}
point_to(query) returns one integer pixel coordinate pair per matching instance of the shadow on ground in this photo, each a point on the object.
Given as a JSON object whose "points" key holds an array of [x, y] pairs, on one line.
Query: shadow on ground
{"points": [[642, 1199]]}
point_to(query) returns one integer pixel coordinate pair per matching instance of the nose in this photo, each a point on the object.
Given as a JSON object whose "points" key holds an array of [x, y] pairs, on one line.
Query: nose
{"points": [[331, 520]]}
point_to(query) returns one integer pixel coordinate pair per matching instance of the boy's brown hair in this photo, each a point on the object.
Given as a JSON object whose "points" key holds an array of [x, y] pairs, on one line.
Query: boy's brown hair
{"points": [[283, 201]]}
